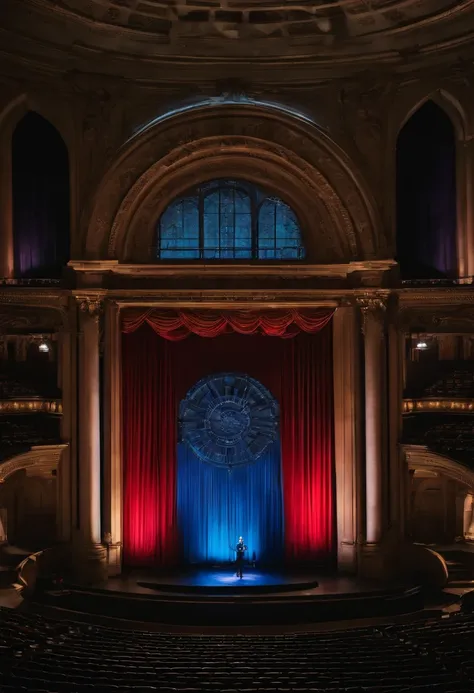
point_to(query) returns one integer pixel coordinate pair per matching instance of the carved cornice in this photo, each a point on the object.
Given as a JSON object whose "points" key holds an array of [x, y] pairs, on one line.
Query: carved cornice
{"points": [[41, 460], [296, 271], [28, 308], [436, 405], [421, 457], [48, 298], [446, 296]]}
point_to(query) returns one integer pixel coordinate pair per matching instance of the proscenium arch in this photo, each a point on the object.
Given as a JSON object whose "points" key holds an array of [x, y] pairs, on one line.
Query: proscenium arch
{"points": [[281, 152]]}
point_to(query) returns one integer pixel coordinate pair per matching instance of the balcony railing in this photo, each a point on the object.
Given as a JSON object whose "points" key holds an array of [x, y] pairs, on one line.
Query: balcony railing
{"points": [[34, 282]]}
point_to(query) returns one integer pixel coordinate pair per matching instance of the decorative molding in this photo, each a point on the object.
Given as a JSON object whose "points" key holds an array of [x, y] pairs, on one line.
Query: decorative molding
{"points": [[334, 39], [31, 406], [291, 155], [421, 457], [373, 307], [438, 405], [297, 270], [29, 310], [91, 305], [40, 460], [445, 296]]}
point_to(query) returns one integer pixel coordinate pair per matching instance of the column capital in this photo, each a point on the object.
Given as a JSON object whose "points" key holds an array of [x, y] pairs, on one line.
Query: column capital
{"points": [[372, 303], [373, 309], [91, 305]]}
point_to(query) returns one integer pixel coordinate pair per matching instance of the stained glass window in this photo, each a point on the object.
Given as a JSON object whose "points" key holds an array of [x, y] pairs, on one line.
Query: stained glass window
{"points": [[229, 220]]}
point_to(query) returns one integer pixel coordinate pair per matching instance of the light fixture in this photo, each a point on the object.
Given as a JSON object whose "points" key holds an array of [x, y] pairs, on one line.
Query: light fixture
{"points": [[43, 347], [421, 344]]}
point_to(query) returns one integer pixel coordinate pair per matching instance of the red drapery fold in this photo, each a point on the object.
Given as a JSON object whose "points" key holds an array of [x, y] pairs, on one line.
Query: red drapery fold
{"points": [[157, 373], [149, 450], [306, 428], [177, 325]]}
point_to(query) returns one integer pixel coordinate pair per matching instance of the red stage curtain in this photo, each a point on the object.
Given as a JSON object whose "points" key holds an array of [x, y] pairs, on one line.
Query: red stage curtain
{"points": [[156, 376], [177, 325], [149, 450], [307, 447]]}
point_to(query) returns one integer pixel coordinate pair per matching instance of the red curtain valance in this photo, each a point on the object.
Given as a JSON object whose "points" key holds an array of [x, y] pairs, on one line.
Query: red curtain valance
{"points": [[176, 325]]}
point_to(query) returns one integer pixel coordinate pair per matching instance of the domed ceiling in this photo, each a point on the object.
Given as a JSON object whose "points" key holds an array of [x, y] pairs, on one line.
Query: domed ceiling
{"points": [[355, 33]]}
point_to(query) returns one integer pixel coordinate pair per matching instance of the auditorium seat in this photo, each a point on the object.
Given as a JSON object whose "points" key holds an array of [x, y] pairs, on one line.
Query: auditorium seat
{"points": [[41, 654]]}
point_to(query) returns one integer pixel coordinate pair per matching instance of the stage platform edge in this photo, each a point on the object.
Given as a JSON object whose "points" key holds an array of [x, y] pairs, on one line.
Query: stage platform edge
{"points": [[296, 601]]}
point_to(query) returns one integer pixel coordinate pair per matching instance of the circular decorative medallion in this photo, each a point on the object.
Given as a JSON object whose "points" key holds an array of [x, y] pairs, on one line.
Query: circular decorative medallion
{"points": [[228, 419]]}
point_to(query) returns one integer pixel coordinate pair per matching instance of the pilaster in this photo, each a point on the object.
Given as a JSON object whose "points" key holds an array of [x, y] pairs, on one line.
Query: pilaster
{"points": [[113, 438], [397, 469], [346, 435], [89, 554], [373, 313]]}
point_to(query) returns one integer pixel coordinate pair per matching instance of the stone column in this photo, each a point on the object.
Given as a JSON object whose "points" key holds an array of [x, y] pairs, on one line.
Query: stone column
{"points": [[347, 400], [90, 567], [397, 470], [66, 380], [373, 327], [113, 503]]}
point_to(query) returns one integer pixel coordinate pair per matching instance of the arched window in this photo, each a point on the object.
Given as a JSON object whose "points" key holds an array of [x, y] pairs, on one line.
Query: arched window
{"points": [[40, 196], [426, 195], [229, 220]]}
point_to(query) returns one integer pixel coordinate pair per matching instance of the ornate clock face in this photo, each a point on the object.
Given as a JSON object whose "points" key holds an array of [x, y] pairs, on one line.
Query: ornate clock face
{"points": [[228, 419]]}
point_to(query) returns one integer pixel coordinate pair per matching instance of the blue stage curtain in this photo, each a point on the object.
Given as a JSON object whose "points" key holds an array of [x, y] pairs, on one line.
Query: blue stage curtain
{"points": [[215, 507]]}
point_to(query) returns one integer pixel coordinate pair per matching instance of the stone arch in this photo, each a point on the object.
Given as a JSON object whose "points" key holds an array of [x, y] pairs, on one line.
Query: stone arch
{"points": [[456, 249], [438, 499], [284, 153], [421, 457], [447, 102], [40, 460], [20, 106], [10, 117]]}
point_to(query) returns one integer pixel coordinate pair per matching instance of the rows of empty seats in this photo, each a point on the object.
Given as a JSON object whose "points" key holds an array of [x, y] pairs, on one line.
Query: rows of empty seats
{"points": [[12, 389], [43, 655], [457, 384], [454, 439], [21, 431]]}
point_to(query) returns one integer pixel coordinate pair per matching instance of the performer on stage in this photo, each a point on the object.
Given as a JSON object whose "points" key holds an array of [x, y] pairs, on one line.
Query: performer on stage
{"points": [[240, 550]]}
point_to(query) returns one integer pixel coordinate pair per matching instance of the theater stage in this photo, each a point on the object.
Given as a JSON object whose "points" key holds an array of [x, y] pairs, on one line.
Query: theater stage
{"points": [[223, 581], [218, 598]]}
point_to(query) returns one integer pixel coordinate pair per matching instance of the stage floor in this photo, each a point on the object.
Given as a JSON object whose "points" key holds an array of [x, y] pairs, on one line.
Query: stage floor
{"points": [[224, 580], [216, 597]]}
